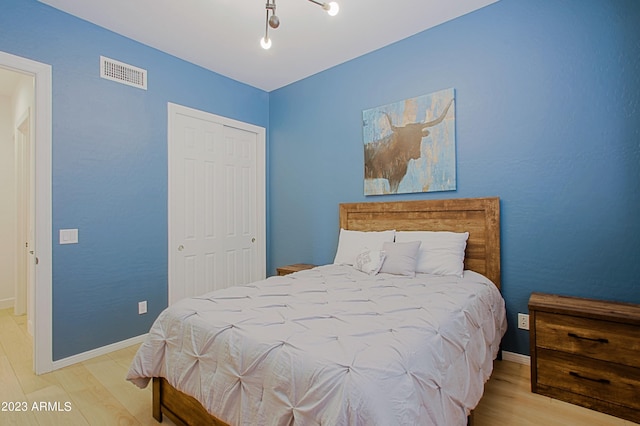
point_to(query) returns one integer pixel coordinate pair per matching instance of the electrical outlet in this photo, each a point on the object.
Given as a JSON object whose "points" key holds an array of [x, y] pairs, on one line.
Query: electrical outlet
{"points": [[523, 321], [142, 307]]}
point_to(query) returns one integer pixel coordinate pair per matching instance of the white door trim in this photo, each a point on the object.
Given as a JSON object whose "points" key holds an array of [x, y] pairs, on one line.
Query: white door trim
{"points": [[175, 109], [43, 353]]}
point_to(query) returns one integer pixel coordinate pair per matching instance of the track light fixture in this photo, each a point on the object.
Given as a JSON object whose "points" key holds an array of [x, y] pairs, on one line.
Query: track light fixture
{"points": [[273, 21]]}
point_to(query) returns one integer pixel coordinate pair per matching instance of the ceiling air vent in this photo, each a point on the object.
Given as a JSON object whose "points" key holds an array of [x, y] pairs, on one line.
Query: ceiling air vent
{"points": [[123, 73]]}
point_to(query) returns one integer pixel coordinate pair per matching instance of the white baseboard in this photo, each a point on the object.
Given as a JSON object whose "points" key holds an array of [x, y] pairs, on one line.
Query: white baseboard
{"points": [[65, 362], [6, 303], [514, 357]]}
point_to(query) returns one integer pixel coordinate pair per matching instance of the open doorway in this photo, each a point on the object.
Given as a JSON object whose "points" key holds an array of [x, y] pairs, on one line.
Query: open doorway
{"points": [[17, 212], [29, 108]]}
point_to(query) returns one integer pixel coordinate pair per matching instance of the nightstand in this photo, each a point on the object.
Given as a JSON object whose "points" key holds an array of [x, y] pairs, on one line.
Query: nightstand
{"points": [[290, 269], [586, 352]]}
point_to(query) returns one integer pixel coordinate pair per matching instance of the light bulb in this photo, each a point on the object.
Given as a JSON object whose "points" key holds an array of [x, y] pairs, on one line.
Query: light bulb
{"points": [[265, 43], [274, 22], [332, 8]]}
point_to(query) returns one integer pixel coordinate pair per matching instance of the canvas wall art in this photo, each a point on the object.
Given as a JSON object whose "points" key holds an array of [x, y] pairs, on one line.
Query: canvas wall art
{"points": [[410, 146]]}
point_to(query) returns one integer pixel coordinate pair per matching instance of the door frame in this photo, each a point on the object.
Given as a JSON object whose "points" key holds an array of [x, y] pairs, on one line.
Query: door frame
{"points": [[43, 241], [261, 188]]}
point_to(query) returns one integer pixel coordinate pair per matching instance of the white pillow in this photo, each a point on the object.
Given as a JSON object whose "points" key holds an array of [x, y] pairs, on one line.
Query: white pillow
{"points": [[369, 261], [351, 243], [441, 253], [401, 258]]}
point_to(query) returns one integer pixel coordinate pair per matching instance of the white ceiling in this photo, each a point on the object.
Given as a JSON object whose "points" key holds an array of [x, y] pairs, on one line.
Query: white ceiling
{"points": [[223, 35]]}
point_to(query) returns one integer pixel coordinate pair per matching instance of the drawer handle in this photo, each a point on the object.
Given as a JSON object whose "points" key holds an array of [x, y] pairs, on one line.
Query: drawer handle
{"points": [[599, 340], [579, 376]]}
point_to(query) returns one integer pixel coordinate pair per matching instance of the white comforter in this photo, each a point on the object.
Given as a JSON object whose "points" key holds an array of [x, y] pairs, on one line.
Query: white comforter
{"points": [[331, 346]]}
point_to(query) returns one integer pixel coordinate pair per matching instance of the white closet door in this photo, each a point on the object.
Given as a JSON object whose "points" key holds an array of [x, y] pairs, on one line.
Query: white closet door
{"points": [[216, 203]]}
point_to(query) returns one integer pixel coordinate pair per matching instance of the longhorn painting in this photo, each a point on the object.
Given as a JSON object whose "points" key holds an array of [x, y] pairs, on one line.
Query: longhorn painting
{"points": [[410, 146]]}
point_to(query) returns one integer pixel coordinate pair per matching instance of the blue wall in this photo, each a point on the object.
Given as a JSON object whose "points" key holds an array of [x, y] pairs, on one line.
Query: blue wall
{"points": [[548, 119], [547, 105], [110, 168]]}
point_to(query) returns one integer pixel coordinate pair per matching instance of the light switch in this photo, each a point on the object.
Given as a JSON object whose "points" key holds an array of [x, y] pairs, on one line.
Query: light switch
{"points": [[68, 236]]}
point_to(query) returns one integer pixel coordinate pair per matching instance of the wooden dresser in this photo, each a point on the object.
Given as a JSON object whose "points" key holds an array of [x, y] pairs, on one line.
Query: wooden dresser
{"points": [[290, 269], [586, 352]]}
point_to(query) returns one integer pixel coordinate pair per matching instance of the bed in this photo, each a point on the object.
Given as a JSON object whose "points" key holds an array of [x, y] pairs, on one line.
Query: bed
{"points": [[387, 351]]}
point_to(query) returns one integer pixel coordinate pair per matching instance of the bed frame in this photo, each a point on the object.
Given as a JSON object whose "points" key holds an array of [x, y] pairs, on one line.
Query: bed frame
{"points": [[479, 216]]}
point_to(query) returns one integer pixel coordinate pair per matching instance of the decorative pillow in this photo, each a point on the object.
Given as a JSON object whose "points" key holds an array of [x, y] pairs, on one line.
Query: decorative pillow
{"points": [[401, 258], [369, 261], [351, 243], [441, 253]]}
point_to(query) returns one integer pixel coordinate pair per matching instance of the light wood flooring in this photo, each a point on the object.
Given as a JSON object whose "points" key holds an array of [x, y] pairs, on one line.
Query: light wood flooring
{"points": [[97, 393]]}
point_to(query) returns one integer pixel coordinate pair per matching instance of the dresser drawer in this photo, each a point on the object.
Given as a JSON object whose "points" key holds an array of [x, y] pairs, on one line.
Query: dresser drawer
{"points": [[586, 352], [599, 380], [599, 339]]}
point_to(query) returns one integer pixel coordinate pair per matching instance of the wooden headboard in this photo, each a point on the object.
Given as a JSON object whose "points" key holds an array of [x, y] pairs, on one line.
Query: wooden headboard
{"points": [[478, 216]]}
